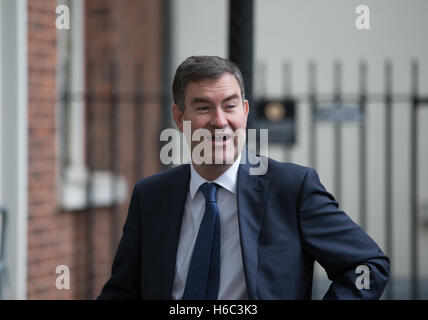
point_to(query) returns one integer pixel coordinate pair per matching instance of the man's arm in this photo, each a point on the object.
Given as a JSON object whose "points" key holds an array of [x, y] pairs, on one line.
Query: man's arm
{"points": [[125, 279], [339, 244]]}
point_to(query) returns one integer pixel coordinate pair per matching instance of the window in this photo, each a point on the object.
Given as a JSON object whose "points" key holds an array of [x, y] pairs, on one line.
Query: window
{"points": [[71, 87]]}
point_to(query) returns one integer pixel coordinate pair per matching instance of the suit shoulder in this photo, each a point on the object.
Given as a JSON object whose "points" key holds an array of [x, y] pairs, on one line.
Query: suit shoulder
{"points": [[283, 172], [161, 179], [277, 167]]}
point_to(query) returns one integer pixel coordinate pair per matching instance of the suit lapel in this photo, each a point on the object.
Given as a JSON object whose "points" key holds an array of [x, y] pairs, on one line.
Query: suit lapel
{"points": [[250, 200], [173, 208]]}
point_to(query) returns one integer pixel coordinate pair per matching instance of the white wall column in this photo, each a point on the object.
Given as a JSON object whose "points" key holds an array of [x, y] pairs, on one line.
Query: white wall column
{"points": [[14, 142]]}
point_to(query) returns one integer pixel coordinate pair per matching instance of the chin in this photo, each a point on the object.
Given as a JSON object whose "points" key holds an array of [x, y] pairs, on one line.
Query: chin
{"points": [[224, 159]]}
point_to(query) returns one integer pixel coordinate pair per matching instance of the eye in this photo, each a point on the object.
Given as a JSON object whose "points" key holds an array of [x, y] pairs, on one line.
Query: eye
{"points": [[202, 108], [230, 107]]}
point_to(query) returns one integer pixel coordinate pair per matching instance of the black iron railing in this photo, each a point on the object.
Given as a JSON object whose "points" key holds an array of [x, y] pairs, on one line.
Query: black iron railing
{"points": [[338, 108]]}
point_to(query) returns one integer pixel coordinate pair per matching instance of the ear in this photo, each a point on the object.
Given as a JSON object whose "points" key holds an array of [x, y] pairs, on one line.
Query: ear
{"points": [[178, 116], [246, 110]]}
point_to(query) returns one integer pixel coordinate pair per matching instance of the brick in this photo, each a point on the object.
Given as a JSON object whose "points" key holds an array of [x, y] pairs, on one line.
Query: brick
{"points": [[126, 31]]}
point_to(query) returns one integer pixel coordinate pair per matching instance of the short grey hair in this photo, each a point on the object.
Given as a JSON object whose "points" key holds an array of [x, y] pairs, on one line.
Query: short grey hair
{"points": [[197, 68]]}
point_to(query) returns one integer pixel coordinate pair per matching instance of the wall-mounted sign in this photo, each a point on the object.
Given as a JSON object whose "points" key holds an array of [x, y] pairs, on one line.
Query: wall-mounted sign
{"points": [[278, 116], [338, 113]]}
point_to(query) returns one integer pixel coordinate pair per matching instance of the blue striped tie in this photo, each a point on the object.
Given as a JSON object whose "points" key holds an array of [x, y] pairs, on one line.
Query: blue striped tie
{"points": [[203, 277]]}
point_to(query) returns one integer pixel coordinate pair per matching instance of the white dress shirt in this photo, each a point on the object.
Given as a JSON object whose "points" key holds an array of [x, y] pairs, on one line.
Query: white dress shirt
{"points": [[232, 280]]}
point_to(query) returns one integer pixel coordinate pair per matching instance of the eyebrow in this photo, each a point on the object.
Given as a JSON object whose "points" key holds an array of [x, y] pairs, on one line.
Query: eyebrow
{"points": [[206, 100]]}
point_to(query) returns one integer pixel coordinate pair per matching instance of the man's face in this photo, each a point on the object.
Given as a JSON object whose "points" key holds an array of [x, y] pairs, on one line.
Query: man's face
{"points": [[217, 106]]}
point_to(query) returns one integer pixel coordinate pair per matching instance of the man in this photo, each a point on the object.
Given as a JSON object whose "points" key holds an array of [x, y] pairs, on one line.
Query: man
{"points": [[212, 230]]}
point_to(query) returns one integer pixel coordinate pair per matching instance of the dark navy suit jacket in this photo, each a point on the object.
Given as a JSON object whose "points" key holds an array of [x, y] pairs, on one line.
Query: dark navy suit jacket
{"points": [[287, 220]]}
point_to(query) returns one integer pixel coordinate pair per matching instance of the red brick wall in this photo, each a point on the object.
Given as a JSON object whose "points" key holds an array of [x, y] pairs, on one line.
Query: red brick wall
{"points": [[50, 234], [126, 31]]}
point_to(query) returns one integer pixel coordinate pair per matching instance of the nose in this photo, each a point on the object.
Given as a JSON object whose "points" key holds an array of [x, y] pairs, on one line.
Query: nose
{"points": [[218, 119]]}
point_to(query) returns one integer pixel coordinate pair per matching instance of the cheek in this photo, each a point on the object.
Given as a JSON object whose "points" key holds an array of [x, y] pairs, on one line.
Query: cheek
{"points": [[238, 121]]}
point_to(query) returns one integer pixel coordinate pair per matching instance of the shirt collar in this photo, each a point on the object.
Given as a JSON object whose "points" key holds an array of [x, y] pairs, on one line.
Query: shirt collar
{"points": [[227, 180]]}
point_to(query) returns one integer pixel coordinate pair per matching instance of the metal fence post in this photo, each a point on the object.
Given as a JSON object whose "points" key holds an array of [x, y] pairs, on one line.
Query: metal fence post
{"points": [[388, 169], [337, 89], [413, 182], [363, 144], [286, 76]]}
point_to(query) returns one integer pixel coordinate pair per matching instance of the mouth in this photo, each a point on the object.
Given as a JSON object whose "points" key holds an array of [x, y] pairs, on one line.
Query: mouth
{"points": [[220, 139]]}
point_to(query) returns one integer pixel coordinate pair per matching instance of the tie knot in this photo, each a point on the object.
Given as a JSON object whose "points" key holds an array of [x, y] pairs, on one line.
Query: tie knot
{"points": [[209, 191]]}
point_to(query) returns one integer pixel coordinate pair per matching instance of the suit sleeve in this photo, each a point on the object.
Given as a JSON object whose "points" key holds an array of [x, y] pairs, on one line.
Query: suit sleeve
{"points": [[340, 245], [125, 279]]}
